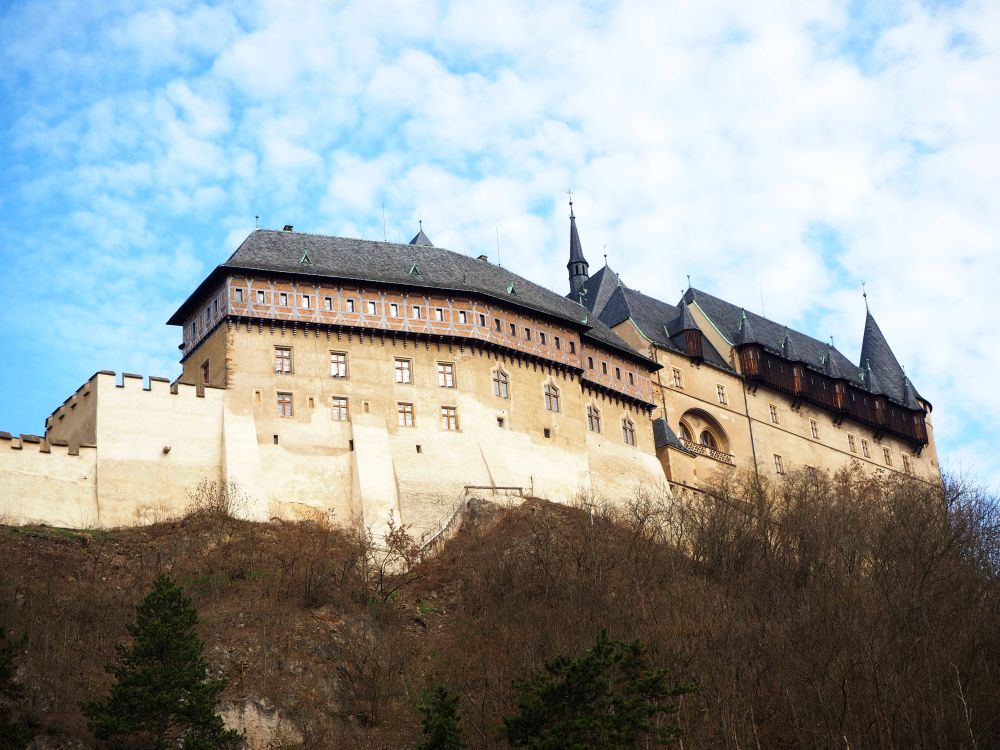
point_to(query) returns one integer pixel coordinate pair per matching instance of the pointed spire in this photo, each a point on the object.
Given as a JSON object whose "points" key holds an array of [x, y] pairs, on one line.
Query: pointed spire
{"points": [[909, 394], [877, 358], [420, 238], [745, 333], [686, 320], [788, 350], [831, 366], [578, 267]]}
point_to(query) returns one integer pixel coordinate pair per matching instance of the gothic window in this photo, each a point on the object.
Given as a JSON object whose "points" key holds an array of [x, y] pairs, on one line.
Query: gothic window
{"points": [[501, 384], [852, 444], [720, 392], [814, 428], [284, 404], [405, 414], [593, 419], [678, 378], [685, 432], [906, 464], [628, 431], [779, 465], [887, 455], [551, 397], [774, 413], [866, 450], [708, 440]]}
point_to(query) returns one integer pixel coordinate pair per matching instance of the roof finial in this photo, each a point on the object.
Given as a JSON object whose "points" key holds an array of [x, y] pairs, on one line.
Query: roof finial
{"points": [[689, 280], [570, 194], [864, 293], [605, 253]]}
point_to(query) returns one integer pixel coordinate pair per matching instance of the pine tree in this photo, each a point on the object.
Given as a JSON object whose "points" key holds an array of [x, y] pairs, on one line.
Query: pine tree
{"points": [[607, 698], [162, 696], [14, 735], [439, 720]]}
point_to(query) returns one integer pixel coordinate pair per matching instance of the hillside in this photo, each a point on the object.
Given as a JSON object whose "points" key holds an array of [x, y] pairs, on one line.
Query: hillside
{"points": [[825, 612]]}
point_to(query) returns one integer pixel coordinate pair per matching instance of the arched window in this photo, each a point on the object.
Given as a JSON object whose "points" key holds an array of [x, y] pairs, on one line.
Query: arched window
{"points": [[501, 384], [686, 433], [708, 439], [628, 431], [551, 397], [593, 418]]}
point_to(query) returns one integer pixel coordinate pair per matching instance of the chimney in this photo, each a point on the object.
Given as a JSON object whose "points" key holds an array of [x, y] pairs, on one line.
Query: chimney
{"points": [[287, 228], [483, 258]]}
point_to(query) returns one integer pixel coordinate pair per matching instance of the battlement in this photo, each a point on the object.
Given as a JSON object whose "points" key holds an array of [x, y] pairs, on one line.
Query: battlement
{"points": [[40, 444]]}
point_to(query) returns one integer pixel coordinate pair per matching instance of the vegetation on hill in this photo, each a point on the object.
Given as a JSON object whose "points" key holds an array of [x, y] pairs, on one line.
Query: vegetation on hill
{"points": [[840, 612]]}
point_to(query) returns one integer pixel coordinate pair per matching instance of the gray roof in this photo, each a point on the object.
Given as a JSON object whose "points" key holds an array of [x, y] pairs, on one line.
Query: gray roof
{"points": [[412, 265], [599, 288], [887, 375], [421, 239], [664, 437], [575, 248]]}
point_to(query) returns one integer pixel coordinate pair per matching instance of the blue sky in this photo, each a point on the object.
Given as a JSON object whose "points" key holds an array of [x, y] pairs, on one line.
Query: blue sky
{"points": [[778, 150]]}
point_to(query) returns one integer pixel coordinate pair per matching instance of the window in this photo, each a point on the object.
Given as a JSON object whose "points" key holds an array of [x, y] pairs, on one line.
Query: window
{"points": [[720, 392], [906, 464], [557, 342], [416, 312], [215, 304], [239, 295], [283, 298], [260, 298], [393, 310], [852, 444], [572, 347], [628, 431], [405, 414], [328, 303], [501, 384], [513, 329], [306, 301], [887, 455], [631, 378], [551, 397], [349, 303], [814, 428], [403, 371], [604, 368], [590, 362], [463, 317], [338, 364], [774, 413], [446, 375], [708, 440], [438, 314], [482, 320], [338, 411], [527, 334], [496, 324], [685, 432], [593, 419], [282, 360], [618, 373], [678, 378], [779, 465], [208, 315], [194, 327], [371, 307], [866, 450], [449, 418], [204, 371], [541, 338], [284, 404]]}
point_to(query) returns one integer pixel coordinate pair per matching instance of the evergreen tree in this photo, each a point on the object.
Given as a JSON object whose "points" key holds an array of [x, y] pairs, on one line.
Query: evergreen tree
{"points": [[607, 698], [14, 735], [162, 696], [439, 720]]}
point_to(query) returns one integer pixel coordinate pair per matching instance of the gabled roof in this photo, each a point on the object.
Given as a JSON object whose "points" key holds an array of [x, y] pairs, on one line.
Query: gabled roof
{"points": [[727, 318], [442, 270], [887, 373], [421, 239], [599, 289]]}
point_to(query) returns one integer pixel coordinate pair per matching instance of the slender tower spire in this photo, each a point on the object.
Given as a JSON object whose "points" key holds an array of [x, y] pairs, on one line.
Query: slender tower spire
{"points": [[577, 266]]}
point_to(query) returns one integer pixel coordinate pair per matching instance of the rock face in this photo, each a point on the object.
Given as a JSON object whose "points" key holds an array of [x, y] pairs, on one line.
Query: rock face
{"points": [[262, 725]]}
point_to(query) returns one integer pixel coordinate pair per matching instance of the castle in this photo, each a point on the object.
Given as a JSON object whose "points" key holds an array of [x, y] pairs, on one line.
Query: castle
{"points": [[374, 383]]}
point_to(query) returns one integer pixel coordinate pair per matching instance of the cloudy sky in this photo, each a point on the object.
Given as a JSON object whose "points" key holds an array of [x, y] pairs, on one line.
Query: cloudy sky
{"points": [[781, 153]]}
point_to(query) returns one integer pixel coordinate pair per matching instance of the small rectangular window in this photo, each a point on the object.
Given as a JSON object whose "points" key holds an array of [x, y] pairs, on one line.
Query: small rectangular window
{"points": [[541, 338], [338, 410], [482, 320], [604, 368], [779, 465], [866, 450], [282, 360], [814, 428], [590, 362], [371, 307], [284, 405], [306, 301], [774, 413], [283, 299], [194, 328], [208, 315], [618, 373], [215, 304], [204, 372], [852, 444], [463, 317], [328, 303], [403, 371], [393, 310], [239, 295], [439, 314], [906, 464], [527, 334], [720, 392], [678, 378], [496, 323], [631, 378], [416, 312], [557, 342], [446, 375], [887, 455], [405, 414], [349, 304], [260, 297], [513, 329], [572, 347], [449, 418], [338, 364]]}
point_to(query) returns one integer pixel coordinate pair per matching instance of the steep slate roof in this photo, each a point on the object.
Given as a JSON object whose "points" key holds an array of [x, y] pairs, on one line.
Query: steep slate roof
{"points": [[885, 369], [421, 239], [575, 248], [392, 263], [599, 288], [663, 436]]}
